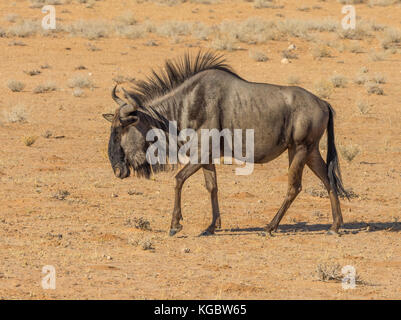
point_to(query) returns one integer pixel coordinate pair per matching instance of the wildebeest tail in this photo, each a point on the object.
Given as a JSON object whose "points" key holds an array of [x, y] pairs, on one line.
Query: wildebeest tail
{"points": [[333, 166]]}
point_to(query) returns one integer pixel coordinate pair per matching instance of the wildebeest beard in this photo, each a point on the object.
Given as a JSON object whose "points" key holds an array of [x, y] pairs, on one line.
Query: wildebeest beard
{"points": [[142, 168]]}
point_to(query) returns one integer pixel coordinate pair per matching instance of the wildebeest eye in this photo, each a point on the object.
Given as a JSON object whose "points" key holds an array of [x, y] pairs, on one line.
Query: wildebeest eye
{"points": [[129, 118]]}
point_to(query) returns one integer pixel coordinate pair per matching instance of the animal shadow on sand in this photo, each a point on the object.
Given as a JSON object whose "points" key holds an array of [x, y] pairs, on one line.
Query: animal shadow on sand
{"points": [[304, 228]]}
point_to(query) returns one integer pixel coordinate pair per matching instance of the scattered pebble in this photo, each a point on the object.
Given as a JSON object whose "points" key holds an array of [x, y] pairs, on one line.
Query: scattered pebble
{"points": [[291, 47], [61, 195], [134, 193]]}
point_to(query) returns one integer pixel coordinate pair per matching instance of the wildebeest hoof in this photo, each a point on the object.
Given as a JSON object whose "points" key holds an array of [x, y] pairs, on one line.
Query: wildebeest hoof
{"points": [[270, 233], [267, 233], [270, 229], [331, 232], [206, 233], [174, 231]]}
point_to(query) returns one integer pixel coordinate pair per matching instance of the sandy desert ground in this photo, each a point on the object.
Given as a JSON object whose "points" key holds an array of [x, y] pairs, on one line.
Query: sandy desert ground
{"points": [[61, 205]]}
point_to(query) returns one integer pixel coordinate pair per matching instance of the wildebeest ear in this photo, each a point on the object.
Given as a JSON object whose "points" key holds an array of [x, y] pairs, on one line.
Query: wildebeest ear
{"points": [[108, 116]]}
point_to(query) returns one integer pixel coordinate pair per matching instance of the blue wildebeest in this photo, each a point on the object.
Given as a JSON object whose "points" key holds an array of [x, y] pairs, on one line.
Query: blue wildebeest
{"points": [[204, 93]]}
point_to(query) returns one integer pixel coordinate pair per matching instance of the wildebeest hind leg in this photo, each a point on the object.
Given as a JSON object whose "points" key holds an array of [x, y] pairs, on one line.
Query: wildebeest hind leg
{"points": [[298, 156], [180, 178], [209, 171], [319, 167]]}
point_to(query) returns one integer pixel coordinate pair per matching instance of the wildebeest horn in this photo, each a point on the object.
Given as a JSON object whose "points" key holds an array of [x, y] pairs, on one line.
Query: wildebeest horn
{"points": [[119, 101], [130, 99]]}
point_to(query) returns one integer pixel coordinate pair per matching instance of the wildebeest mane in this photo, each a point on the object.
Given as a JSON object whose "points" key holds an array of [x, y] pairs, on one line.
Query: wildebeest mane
{"points": [[175, 72]]}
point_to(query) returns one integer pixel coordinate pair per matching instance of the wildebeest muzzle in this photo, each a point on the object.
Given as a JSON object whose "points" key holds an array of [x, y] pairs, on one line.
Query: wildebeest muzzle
{"points": [[121, 171]]}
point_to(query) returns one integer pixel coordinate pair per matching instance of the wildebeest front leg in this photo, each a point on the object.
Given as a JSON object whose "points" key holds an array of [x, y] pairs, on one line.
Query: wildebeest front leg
{"points": [[209, 171], [297, 158], [180, 178]]}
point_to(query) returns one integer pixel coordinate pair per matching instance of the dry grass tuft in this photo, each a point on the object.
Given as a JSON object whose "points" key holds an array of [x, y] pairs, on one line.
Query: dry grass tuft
{"points": [[223, 44], [130, 31], [41, 3], [333, 272], [119, 79], [29, 140], [147, 245], [258, 55], [23, 29], [323, 88], [12, 17], [288, 54], [378, 78], [80, 81], [329, 272], [377, 55], [358, 33], [15, 85], [355, 47], [78, 92], [93, 48], [49, 86], [143, 243], [201, 31], [60, 194], [174, 28], [253, 30], [261, 4], [391, 38], [321, 51], [361, 79], [205, 1], [127, 18], [17, 113], [319, 192], [364, 70], [304, 9], [89, 29], [33, 72], [45, 66], [140, 223], [350, 152], [374, 88], [363, 107], [339, 81], [16, 43]]}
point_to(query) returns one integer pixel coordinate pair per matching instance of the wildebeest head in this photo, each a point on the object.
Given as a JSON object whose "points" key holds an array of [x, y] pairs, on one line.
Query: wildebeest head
{"points": [[127, 144]]}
